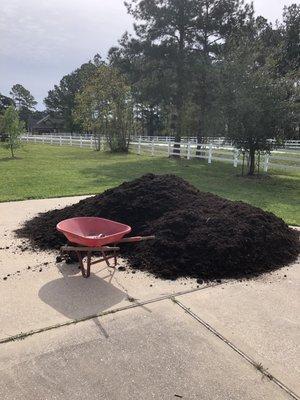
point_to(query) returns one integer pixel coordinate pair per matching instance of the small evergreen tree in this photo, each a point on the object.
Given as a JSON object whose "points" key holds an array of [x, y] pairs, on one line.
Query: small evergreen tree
{"points": [[13, 127], [256, 104]]}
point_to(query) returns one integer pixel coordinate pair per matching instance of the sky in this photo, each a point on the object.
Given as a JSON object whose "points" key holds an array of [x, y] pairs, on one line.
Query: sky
{"points": [[42, 40]]}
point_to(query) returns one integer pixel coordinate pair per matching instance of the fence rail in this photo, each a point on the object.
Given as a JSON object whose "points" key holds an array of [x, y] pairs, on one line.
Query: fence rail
{"points": [[216, 140], [219, 140], [189, 149], [80, 141]]}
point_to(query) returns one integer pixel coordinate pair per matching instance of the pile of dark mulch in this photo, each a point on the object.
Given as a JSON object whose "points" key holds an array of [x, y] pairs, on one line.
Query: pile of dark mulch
{"points": [[197, 234]]}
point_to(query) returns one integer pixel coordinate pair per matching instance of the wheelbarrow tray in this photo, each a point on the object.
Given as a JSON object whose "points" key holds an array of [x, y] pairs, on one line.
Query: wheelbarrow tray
{"points": [[92, 231]]}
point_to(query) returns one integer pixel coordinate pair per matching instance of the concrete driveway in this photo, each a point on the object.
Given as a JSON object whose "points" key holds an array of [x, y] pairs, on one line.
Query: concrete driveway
{"points": [[124, 335]]}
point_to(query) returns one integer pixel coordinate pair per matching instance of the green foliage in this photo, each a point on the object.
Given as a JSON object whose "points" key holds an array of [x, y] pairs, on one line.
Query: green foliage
{"points": [[174, 64], [169, 59], [150, 81], [22, 97], [105, 107], [61, 99], [290, 56], [255, 105], [24, 101], [5, 102], [13, 127]]}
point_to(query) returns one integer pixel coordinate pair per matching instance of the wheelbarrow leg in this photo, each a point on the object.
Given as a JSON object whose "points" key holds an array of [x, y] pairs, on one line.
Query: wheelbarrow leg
{"points": [[85, 273], [88, 268], [115, 258], [105, 258]]}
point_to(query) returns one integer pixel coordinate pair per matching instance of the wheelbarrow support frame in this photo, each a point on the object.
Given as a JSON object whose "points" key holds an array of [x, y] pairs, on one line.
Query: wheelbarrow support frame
{"points": [[107, 252], [88, 251]]}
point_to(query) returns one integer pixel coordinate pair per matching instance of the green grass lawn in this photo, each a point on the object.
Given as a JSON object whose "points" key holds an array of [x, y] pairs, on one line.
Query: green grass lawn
{"points": [[42, 171]]}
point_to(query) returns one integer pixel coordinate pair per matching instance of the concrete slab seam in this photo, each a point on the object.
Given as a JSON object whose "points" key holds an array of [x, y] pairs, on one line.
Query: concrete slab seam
{"points": [[24, 335], [250, 360]]}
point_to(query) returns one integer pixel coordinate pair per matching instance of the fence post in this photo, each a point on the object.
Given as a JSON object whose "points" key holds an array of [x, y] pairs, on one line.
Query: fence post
{"points": [[266, 162], [235, 158], [80, 141], [43, 136], [60, 141], [210, 153], [70, 140], [152, 148], [169, 148], [188, 150], [139, 146], [35, 139]]}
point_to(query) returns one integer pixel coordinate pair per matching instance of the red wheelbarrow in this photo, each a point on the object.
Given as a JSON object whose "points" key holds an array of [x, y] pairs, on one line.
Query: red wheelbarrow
{"points": [[88, 235]]}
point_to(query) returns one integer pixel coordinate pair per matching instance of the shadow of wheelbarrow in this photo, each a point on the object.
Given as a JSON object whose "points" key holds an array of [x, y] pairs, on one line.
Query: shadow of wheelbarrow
{"points": [[78, 298]]}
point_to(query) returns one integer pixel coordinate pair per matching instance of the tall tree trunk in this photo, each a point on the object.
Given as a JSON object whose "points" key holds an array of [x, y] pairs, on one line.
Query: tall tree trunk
{"points": [[251, 161], [204, 92], [150, 123], [12, 149], [180, 83], [199, 136], [97, 140], [180, 80]]}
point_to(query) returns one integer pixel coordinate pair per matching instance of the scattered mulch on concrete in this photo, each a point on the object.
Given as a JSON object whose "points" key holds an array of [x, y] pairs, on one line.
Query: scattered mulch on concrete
{"points": [[198, 234]]}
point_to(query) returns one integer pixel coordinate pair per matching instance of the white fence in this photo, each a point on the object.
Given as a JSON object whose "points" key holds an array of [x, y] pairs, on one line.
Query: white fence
{"points": [[217, 141], [215, 152], [80, 141], [189, 149]]}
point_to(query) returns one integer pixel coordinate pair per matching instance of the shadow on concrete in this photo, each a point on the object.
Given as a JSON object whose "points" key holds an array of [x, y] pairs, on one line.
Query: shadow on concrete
{"points": [[77, 297]]}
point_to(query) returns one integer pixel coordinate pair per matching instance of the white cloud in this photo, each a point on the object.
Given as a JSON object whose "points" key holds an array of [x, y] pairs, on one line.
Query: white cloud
{"points": [[272, 9], [40, 40]]}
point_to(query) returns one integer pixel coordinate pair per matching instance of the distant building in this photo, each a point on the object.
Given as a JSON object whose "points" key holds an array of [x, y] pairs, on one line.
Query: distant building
{"points": [[47, 124]]}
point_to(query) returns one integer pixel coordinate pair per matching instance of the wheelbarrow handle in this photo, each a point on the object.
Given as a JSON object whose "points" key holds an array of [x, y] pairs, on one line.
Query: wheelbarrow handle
{"points": [[136, 239]]}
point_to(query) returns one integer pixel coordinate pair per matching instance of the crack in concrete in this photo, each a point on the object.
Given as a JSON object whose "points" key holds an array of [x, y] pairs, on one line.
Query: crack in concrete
{"points": [[135, 304], [172, 297], [259, 367]]}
